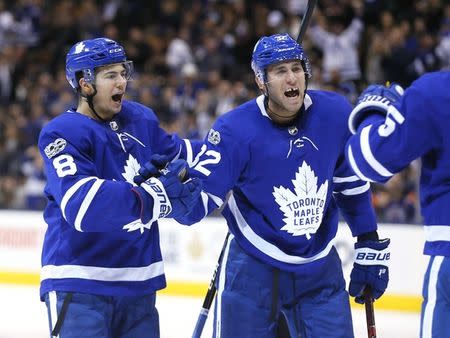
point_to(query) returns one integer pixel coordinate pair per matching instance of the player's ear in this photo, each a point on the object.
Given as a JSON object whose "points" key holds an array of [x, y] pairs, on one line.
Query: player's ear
{"points": [[86, 87], [260, 85]]}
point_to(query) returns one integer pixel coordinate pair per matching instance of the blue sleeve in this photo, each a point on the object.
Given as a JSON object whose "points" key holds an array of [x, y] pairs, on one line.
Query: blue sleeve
{"points": [[385, 147], [87, 202], [219, 164], [353, 197]]}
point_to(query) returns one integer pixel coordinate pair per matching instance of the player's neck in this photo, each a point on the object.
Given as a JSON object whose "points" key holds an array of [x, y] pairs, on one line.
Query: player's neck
{"points": [[83, 108], [281, 117]]}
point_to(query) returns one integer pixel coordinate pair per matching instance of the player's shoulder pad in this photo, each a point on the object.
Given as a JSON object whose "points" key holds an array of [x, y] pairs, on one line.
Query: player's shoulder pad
{"points": [[332, 105], [68, 123], [236, 124], [133, 111]]}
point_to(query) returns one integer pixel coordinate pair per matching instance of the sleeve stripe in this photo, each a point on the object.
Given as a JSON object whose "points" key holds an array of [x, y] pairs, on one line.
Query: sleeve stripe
{"points": [[368, 156], [71, 191], [217, 200], [205, 202], [355, 191], [353, 178], [355, 168], [205, 198], [86, 203], [189, 152]]}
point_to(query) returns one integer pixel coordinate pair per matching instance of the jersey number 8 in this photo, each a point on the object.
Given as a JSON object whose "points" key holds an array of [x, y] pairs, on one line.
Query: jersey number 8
{"points": [[64, 165]]}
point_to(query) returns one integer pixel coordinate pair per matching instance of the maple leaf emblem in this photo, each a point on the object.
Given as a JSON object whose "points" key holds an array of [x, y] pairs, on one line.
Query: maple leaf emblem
{"points": [[303, 208], [131, 169]]}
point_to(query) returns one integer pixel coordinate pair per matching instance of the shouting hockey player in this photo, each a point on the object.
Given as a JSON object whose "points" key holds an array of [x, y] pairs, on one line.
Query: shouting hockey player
{"points": [[393, 127], [282, 156], [101, 260]]}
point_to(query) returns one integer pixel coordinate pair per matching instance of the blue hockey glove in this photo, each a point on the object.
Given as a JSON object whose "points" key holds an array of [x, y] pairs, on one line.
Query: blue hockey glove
{"points": [[370, 268], [374, 100], [151, 168], [168, 195]]}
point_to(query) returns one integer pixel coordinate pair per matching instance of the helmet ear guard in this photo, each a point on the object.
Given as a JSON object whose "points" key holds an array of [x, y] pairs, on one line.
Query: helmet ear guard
{"points": [[274, 49]]}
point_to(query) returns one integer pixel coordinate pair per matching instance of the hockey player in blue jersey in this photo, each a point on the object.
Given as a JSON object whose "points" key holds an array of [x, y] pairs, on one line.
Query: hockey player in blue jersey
{"points": [[392, 128], [101, 260], [282, 157]]}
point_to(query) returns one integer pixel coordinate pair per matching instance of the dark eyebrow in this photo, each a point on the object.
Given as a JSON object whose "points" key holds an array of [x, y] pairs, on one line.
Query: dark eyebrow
{"points": [[111, 70], [283, 66]]}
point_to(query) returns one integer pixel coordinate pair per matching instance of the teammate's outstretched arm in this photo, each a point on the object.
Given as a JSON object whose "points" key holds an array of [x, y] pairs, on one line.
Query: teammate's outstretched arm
{"points": [[371, 257], [168, 195]]}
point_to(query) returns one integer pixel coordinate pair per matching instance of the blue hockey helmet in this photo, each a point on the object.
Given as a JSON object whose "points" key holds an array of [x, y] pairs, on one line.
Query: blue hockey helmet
{"points": [[274, 49], [85, 56]]}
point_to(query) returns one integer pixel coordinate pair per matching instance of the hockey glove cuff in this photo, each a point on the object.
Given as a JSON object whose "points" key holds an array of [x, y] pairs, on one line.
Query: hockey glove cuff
{"points": [[168, 195], [375, 100], [371, 267], [155, 203]]}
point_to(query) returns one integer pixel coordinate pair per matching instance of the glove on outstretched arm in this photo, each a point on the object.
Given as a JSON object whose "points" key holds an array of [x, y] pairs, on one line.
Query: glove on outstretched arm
{"points": [[152, 168], [370, 267], [168, 195], [374, 100]]}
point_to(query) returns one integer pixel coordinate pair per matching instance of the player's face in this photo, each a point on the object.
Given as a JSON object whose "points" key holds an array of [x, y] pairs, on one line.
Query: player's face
{"points": [[111, 83], [286, 86]]}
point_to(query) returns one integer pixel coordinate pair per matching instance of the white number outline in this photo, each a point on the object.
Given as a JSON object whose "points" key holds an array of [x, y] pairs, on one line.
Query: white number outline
{"points": [[214, 158], [388, 127]]}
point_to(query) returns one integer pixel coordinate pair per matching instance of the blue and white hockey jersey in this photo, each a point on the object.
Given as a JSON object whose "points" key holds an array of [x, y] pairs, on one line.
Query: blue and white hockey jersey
{"points": [[286, 183], [416, 126], [95, 242]]}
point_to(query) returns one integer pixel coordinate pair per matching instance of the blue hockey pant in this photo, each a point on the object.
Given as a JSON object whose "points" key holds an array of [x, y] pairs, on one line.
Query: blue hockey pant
{"points": [[435, 317], [252, 297], [76, 315]]}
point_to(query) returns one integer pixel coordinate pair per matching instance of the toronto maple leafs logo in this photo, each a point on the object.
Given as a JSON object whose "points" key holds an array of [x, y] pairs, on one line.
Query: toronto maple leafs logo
{"points": [[303, 208], [80, 47], [131, 169]]}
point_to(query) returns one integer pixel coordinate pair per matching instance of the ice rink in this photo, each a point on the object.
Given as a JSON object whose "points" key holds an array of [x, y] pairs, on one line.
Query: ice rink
{"points": [[22, 315]]}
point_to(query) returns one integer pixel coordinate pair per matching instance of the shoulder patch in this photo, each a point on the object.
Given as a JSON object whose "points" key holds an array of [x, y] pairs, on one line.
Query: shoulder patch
{"points": [[214, 137], [55, 147]]}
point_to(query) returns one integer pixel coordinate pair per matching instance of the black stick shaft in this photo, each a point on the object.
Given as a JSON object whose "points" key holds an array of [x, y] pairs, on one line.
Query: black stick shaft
{"points": [[370, 313], [306, 19], [209, 297]]}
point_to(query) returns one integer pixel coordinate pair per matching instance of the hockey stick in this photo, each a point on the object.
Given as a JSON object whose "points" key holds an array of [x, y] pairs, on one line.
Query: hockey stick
{"points": [[209, 297], [306, 19], [370, 313]]}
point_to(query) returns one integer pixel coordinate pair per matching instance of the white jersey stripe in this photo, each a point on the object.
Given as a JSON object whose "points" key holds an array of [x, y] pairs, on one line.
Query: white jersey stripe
{"points": [[427, 324], [104, 274], [355, 191], [71, 191], [268, 248], [435, 233], [368, 155], [337, 179], [354, 166], [221, 286], [53, 303], [189, 153], [86, 203]]}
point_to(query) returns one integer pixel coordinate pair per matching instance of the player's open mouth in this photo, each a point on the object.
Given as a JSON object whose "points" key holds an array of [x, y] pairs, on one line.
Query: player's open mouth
{"points": [[292, 92], [117, 97]]}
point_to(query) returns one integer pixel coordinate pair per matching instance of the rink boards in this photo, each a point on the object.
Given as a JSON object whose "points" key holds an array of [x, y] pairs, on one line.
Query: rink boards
{"points": [[190, 255]]}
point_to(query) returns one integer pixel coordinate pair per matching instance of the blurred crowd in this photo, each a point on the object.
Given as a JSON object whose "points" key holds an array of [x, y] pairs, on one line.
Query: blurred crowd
{"points": [[192, 63]]}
